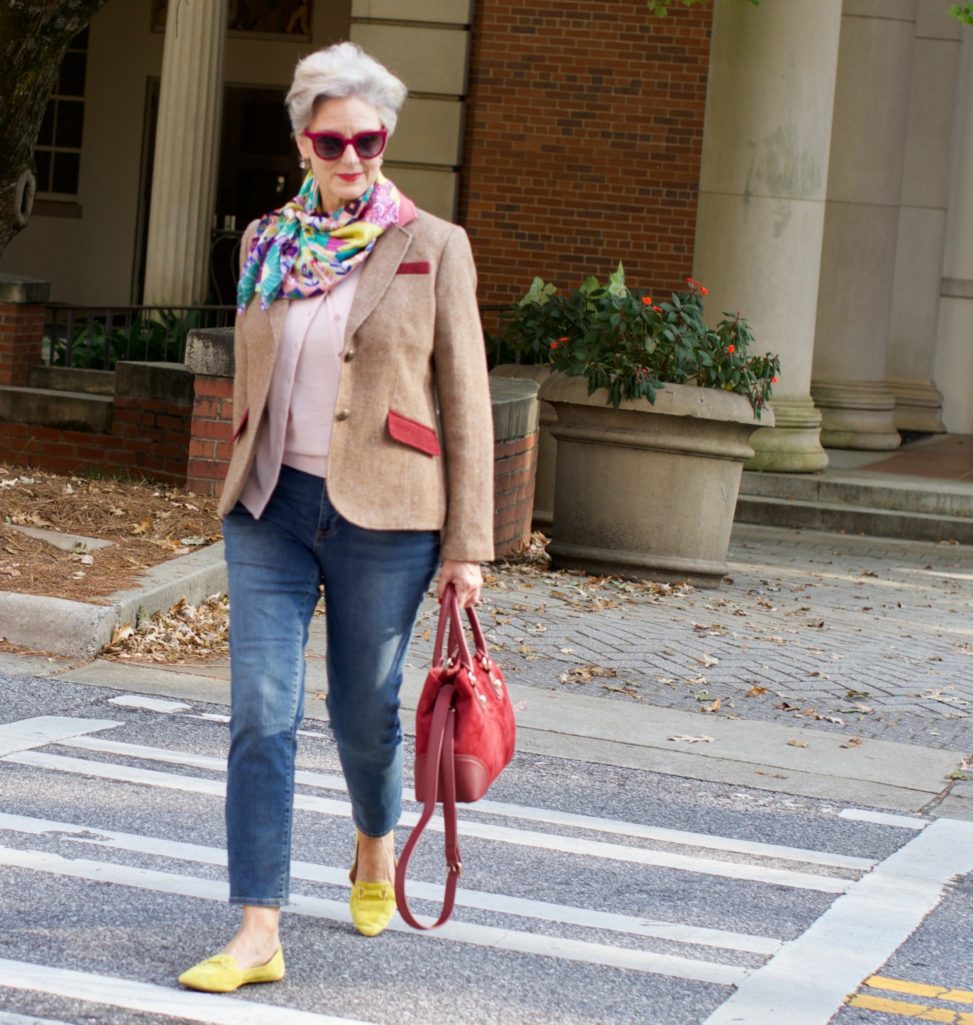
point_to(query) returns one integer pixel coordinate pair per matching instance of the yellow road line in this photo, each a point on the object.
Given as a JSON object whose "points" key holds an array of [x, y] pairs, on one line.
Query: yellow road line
{"points": [[920, 989], [917, 1012]]}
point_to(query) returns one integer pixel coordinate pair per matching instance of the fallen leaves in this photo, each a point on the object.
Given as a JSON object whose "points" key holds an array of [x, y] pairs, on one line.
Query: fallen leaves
{"points": [[794, 742], [183, 634]]}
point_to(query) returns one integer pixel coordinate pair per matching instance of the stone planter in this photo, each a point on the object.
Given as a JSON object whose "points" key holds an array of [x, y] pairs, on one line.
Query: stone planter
{"points": [[647, 491], [543, 515]]}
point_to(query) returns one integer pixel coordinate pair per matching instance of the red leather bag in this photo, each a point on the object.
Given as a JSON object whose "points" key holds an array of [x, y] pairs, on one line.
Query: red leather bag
{"points": [[465, 735]]}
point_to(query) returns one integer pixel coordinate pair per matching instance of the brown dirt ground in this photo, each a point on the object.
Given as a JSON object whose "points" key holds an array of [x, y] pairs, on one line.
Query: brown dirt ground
{"points": [[146, 524]]}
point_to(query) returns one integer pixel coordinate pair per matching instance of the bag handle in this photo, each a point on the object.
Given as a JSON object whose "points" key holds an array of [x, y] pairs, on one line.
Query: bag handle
{"points": [[449, 612], [439, 765]]}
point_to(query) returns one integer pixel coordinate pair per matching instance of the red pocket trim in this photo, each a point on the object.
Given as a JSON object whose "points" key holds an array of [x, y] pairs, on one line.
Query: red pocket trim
{"points": [[243, 423], [412, 433], [420, 267]]}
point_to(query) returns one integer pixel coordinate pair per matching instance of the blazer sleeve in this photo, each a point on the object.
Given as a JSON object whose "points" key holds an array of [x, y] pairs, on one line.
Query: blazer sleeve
{"points": [[466, 415]]}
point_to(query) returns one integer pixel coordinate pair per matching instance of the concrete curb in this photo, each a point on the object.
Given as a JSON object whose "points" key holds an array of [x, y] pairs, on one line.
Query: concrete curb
{"points": [[757, 755], [80, 629]]}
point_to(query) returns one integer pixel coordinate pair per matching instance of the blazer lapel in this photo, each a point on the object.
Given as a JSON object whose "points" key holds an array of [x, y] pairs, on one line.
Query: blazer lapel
{"points": [[377, 274]]}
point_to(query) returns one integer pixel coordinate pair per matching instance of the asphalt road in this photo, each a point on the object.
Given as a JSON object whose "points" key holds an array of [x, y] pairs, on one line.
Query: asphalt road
{"points": [[592, 894]]}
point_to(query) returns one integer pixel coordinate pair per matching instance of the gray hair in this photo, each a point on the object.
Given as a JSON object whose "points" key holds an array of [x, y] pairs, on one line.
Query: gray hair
{"points": [[343, 69]]}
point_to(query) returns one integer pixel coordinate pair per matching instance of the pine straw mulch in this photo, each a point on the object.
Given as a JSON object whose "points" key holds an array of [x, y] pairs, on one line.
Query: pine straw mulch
{"points": [[146, 524]]}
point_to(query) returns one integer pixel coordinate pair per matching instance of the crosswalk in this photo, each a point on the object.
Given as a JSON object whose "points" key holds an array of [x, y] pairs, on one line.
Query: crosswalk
{"points": [[733, 974]]}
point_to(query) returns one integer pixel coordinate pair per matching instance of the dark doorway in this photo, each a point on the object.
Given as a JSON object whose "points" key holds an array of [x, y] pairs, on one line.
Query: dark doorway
{"points": [[258, 172]]}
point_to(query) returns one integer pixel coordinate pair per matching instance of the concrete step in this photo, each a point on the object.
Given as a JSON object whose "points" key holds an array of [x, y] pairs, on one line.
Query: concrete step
{"points": [[91, 382], [853, 519], [935, 496], [76, 411]]}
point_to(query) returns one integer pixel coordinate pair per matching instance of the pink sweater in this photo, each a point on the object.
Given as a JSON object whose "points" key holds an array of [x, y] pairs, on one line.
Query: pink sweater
{"points": [[296, 429]]}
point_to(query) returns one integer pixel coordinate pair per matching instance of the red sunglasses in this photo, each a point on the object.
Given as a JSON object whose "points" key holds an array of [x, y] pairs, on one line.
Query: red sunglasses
{"points": [[331, 145]]}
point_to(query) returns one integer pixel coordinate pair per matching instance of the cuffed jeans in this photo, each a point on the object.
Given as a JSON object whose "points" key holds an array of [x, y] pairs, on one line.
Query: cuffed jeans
{"points": [[374, 581]]}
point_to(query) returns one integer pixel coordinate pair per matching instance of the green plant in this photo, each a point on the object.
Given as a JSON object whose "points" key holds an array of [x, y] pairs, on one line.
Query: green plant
{"points": [[623, 341], [158, 337]]}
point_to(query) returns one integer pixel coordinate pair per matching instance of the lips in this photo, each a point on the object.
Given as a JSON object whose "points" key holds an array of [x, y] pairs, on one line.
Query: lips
{"points": [[349, 177]]}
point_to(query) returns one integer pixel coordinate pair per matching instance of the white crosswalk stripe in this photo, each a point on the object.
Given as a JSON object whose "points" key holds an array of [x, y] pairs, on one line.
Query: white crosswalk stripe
{"points": [[56, 849]]}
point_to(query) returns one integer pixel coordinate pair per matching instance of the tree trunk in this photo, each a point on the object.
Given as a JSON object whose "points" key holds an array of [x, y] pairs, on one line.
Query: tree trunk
{"points": [[33, 37]]}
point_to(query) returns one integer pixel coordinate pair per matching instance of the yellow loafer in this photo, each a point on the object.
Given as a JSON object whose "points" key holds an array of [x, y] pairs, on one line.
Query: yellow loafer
{"points": [[372, 904], [372, 907], [222, 974]]}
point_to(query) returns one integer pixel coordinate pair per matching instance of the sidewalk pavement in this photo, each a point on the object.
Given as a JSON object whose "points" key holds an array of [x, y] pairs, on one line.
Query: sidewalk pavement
{"points": [[825, 666]]}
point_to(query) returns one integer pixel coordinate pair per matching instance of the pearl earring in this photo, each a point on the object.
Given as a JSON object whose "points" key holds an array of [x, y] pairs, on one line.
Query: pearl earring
{"points": [[302, 164]]}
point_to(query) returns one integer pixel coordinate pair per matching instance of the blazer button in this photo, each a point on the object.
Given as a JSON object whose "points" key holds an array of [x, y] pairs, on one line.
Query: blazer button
{"points": [[343, 414], [349, 355]]}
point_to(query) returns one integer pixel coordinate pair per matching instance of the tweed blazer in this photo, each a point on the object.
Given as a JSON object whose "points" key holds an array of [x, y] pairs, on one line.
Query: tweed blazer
{"points": [[412, 438]]}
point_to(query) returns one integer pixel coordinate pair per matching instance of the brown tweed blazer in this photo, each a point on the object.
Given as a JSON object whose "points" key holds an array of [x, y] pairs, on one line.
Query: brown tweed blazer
{"points": [[413, 337]]}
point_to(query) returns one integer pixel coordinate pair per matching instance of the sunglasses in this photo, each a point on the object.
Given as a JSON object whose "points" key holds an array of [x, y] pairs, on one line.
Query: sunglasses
{"points": [[331, 145]]}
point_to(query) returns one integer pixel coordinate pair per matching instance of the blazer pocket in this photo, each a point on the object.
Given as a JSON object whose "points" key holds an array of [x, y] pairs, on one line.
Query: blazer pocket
{"points": [[242, 424], [419, 267], [412, 433]]}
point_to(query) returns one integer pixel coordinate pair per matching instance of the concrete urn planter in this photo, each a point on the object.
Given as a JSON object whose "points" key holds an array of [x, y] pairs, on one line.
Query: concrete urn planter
{"points": [[647, 491]]}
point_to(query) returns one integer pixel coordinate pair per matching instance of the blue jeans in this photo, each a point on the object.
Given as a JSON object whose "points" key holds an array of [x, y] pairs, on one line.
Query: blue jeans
{"points": [[374, 581]]}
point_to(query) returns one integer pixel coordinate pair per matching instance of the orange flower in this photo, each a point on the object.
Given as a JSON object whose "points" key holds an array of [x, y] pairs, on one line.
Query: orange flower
{"points": [[658, 309], [773, 380], [703, 290], [553, 345], [646, 300], [731, 349]]}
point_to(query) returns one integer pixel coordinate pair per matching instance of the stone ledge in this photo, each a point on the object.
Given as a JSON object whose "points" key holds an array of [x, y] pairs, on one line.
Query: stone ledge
{"points": [[24, 291], [209, 352]]}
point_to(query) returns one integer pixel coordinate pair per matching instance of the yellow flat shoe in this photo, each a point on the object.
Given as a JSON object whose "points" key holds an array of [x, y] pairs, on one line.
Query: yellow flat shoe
{"points": [[372, 904], [372, 907], [222, 974]]}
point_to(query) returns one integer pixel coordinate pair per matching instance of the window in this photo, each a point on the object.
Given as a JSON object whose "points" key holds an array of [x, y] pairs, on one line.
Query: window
{"points": [[57, 154]]}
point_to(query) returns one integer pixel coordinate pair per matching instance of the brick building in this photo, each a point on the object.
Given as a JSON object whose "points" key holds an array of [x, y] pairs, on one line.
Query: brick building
{"points": [[812, 163]]}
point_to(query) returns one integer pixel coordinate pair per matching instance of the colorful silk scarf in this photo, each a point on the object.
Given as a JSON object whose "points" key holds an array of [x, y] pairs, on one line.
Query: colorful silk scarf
{"points": [[298, 251]]}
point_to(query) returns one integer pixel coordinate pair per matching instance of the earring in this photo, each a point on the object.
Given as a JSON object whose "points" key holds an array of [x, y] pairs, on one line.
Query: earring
{"points": [[302, 164]]}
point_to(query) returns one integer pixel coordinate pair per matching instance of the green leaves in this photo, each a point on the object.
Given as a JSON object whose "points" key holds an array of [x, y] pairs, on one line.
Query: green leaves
{"points": [[626, 343]]}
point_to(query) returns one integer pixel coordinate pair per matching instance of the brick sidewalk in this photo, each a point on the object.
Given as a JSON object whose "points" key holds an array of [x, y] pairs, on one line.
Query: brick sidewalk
{"points": [[869, 637]]}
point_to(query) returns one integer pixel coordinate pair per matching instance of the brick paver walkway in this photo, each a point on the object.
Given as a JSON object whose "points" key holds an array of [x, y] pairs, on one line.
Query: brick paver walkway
{"points": [[870, 637]]}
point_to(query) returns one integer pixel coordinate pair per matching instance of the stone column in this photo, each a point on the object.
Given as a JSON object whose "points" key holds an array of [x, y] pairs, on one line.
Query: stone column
{"points": [[861, 224], [762, 192], [954, 351], [922, 221], [186, 148]]}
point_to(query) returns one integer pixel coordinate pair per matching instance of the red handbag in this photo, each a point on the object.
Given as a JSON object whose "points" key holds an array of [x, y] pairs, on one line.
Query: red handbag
{"points": [[464, 738]]}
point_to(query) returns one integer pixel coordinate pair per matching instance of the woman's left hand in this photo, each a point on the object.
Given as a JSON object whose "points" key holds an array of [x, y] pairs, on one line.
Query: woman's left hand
{"points": [[466, 578]]}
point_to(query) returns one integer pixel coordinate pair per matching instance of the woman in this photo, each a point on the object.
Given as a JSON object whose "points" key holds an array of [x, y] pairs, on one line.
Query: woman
{"points": [[363, 456]]}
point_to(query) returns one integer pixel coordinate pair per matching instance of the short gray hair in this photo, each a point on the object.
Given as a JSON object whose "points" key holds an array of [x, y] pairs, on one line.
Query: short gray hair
{"points": [[343, 69]]}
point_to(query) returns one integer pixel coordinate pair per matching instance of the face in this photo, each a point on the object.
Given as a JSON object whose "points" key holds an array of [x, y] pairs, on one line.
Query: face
{"points": [[343, 180]]}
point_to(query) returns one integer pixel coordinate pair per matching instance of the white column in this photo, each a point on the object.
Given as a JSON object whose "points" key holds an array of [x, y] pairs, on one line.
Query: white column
{"points": [[861, 224], [762, 196], [954, 351], [922, 221], [186, 149]]}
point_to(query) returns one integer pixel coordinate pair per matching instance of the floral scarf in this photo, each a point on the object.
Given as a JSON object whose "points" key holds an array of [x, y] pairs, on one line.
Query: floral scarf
{"points": [[298, 251]]}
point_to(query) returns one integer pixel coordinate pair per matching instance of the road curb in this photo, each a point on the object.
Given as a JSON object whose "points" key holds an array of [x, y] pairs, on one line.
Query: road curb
{"points": [[80, 629]]}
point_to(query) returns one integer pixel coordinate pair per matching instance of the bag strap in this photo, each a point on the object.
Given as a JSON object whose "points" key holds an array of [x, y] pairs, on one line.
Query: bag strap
{"points": [[439, 767]]}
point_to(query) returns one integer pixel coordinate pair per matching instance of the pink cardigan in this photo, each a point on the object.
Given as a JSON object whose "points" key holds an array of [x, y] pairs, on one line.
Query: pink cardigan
{"points": [[296, 427]]}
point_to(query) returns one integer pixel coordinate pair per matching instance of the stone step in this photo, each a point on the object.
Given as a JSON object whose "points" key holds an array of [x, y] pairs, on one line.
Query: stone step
{"points": [[91, 382], [853, 519], [893, 492], [76, 411]]}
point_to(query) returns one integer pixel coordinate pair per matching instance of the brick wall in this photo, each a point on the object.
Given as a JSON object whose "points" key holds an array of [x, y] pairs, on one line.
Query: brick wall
{"points": [[583, 143], [21, 331], [212, 433]]}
